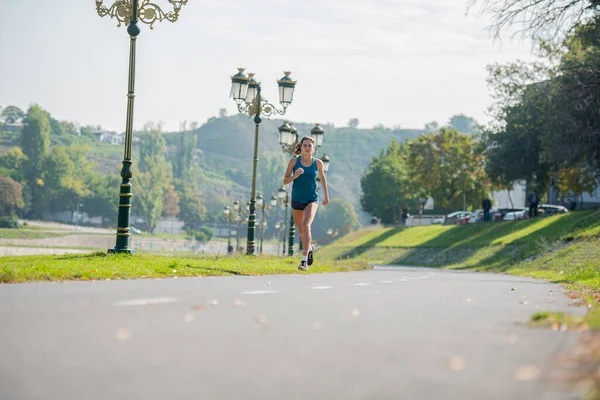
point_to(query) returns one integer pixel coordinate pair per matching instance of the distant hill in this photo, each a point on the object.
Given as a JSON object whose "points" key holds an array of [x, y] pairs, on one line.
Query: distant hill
{"points": [[227, 146]]}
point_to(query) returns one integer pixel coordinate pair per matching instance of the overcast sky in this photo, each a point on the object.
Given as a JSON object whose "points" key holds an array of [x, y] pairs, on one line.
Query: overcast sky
{"points": [[394, 62]]}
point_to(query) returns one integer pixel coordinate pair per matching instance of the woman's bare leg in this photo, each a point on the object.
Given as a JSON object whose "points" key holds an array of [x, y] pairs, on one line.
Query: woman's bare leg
{"points": [[298, 217], [309, 215]]}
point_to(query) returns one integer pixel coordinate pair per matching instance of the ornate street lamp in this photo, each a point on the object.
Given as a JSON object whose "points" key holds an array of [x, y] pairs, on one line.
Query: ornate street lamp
{"points": [[277, 229], [284, 197], [131, 12], [263, 222], [317, 134], [237, 218], [326, 160], [287, 138], [246, 92]]}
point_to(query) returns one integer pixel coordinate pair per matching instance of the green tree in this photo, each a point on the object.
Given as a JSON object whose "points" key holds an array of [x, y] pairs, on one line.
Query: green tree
{"points": [[464, 124], [515, 150], [103, 200], [184, 154], [432, 126], [152, 179], [11, 196], [11, 114], [35, 141], [353, 123], [13, 163], [384, 192], [573, 117], [63, 185], [447, 166], [171, 202], [192, 211], [576, 180], [338, 215], [271, 169], [61, 128]]}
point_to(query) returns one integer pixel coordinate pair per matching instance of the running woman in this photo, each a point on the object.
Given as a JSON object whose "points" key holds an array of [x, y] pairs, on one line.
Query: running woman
{"points": [[302, 171]]}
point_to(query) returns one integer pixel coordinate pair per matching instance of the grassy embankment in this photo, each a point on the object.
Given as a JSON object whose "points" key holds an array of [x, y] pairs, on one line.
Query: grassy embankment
{"points": [[564, 249]]}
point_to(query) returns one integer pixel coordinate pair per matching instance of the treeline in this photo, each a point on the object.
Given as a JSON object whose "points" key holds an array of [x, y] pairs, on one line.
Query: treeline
{"points": [[446, 165], [45, 174], [548, 117], [546, 132]]}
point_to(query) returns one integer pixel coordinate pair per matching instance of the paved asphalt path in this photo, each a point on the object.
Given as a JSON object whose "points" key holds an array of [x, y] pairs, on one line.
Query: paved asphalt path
{"points": [[389, 333]]}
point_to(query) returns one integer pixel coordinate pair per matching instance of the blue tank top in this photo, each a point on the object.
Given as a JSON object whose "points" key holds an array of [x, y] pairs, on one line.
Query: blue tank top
{"points": [[304, 188]]}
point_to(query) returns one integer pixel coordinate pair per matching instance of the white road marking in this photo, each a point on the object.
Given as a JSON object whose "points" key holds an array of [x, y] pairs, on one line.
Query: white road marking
{"points": [[386, 281], [360, 284], [146, 302], [320, 287], [402, 280], [260, 292]]}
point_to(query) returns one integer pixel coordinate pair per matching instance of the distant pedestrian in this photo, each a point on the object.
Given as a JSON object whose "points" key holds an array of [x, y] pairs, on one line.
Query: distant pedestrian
{"points": [[405, 215], [486, 204], [302, 170], [533, 204]]}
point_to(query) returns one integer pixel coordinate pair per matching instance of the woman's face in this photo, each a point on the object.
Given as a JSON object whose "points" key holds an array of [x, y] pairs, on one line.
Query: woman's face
{"points": [[306, 147]]}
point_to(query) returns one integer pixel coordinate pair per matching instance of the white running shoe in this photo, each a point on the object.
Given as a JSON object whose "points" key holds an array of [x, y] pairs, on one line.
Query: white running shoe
{"points": [[303, 266]]}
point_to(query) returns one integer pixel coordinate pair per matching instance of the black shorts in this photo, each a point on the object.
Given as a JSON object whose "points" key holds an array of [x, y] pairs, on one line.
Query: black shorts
{"points": [[297, 205]]}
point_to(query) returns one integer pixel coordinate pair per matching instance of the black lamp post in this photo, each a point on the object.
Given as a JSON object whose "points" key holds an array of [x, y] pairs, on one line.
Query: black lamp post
{"points": [[247, 94], [238, 219], [261, 204], [282, 194], [278, 232], [131, 12], [227, 213]]}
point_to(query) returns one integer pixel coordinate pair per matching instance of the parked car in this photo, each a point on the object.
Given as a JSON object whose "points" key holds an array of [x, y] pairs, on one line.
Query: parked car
{"points": [[516, 215], [499, 214], [460, 217], [438, 220], [549, 209]]}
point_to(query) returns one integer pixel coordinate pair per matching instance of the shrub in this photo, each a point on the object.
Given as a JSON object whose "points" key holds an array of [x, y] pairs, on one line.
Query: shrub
{"points": [[204, 234], [9, 222]]}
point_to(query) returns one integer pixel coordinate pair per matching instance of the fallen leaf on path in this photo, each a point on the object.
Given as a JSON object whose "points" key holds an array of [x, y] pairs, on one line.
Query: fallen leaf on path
{"points": [[512, 339], [354, 313], [123, 334], [456, 363], [198, 307], [525, 373]]}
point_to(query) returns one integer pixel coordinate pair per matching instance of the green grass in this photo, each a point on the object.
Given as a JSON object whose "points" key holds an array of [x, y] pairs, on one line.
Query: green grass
{"points": [[101, 266], [564, 249], [29, 233]]}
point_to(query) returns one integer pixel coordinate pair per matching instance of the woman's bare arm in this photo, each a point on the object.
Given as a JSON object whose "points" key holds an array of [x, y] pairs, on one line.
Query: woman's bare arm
{"points": [[323, 182], [289, 176]]}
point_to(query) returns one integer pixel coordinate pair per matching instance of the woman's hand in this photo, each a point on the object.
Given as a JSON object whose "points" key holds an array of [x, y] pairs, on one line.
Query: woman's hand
{"points": [[298, 172], [325, 199]]}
